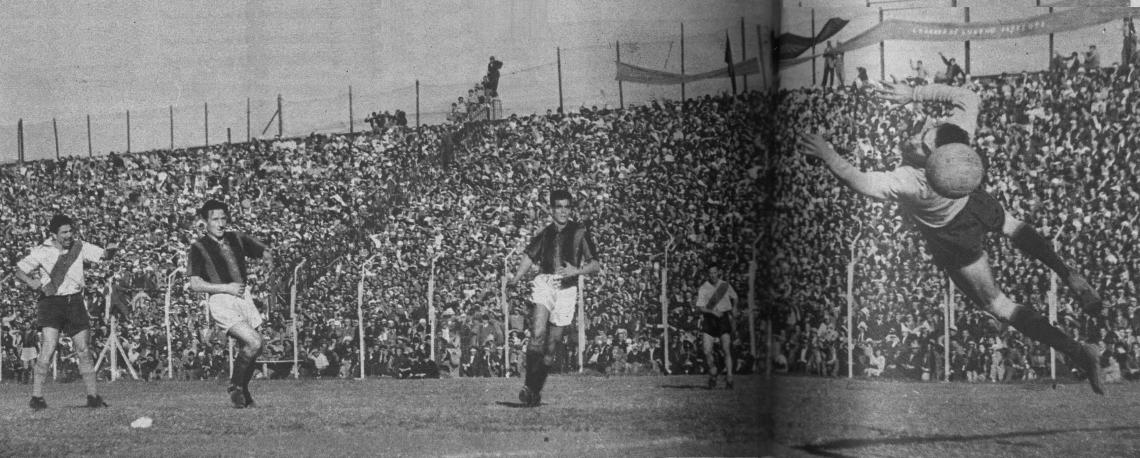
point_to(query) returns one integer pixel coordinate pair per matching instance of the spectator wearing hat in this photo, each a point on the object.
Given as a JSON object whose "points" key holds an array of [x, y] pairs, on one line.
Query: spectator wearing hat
{"points": [[493, 68]]}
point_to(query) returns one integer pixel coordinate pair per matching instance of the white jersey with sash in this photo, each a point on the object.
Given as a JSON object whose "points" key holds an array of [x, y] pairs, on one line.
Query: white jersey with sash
{"points": [[68, 278]]}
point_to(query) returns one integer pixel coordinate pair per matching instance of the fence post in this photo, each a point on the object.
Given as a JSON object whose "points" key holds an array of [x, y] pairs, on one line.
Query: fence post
{"points": [[417, 104], [128, 131], [743, 54], [280, 118], [247, 114], [561, 109], [683, 64], [55, 133], [89, 153], [172, 127], [350, 122], [621, 95], [20, 140], [206, 121]]}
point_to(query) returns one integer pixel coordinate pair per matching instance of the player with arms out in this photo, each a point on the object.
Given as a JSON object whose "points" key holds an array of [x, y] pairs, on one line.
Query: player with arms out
{"points": [[716, 300], [55, 270], [562, 252], [955, 227], [217, 267]]}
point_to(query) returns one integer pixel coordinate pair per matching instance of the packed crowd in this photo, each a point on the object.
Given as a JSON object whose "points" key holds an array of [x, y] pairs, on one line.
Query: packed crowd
{"points": [[665, 181], [1060, 148]]}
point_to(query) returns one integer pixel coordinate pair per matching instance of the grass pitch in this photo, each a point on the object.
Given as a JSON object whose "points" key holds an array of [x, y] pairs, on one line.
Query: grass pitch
{"points": [[814, 416], [579, 415]]}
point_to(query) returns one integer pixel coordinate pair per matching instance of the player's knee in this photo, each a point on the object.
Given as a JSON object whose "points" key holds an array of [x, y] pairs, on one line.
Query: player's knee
{"points": [[1001, 307]]}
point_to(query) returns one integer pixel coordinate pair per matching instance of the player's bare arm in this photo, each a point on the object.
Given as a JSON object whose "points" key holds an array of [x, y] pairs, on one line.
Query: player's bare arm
{"points": [[29, 280], [814, 145], [524, 266]]}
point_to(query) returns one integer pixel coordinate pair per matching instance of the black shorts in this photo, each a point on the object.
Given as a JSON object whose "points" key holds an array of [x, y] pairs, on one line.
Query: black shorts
{"points": [[714, 326], [963, 240], [65, 313]]}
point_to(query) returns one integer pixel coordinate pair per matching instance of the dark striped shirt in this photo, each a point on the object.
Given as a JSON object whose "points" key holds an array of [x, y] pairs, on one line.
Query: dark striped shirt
{"points": [[222, 263], [551, 248]]}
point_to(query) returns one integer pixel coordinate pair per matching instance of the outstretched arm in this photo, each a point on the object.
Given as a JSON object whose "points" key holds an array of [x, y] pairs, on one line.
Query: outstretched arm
{"points": [[863, 183]]}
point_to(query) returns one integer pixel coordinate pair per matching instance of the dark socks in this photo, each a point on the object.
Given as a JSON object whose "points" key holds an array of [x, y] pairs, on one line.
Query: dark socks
{"points": [[540, 376], [1028, 240], [534, 365], [1035, 326], [242, 363]]}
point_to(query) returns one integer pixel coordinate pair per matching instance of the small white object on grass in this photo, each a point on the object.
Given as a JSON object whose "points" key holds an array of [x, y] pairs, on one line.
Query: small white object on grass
{"points": [[142, 422]]}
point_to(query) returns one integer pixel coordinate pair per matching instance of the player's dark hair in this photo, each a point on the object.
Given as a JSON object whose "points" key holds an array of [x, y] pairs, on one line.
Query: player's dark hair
{"points": [[212, 205], [560, 194], [57, 221], [950, 133]]}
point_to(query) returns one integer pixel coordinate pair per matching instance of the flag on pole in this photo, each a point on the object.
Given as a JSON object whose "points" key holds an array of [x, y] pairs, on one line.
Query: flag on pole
{"points": [[728, 60]]}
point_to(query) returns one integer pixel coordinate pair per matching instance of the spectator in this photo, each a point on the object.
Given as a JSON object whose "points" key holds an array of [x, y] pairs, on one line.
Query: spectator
{"points": [[493, 67]]}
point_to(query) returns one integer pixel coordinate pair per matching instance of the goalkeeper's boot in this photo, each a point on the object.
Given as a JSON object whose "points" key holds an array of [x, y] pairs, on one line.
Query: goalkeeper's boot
{"points": [[96, 401], [37, 403], [248, 398], [1088, 360]]}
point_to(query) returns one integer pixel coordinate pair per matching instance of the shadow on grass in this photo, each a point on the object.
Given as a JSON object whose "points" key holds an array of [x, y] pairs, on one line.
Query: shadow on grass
{"points": [[825, 448], [515, 405], [685, 387]]}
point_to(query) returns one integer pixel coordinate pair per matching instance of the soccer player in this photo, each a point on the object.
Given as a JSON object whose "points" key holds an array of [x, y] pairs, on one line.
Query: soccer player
{"points": [[55, 270], [562, 252], [217, 267], [716, 300], [955, 229]]}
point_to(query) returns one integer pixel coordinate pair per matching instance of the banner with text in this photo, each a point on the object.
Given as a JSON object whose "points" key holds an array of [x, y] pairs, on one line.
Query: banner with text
{"points": [[893, 29]]}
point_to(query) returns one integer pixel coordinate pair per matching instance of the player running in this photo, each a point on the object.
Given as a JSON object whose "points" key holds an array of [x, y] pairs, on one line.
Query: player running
{"points": [[217, 267], [562, 252], [955, 229]]}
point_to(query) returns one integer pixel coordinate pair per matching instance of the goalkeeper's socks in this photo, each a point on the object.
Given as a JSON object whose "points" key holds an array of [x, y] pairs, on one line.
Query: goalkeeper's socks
{"points": [[1028, 240], [1035, 326]]}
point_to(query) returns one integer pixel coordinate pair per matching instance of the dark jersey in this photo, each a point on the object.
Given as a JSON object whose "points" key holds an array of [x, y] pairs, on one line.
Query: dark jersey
{"points": [[224, 262], [552, 248]]}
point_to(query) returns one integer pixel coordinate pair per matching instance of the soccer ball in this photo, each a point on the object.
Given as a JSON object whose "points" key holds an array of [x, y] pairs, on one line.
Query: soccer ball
{"points": [[954, 170]]}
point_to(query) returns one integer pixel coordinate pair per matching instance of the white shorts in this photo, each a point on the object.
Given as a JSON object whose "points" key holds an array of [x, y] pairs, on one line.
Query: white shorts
{"points": [[28, 353], [226, 311], [559, 301]]}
